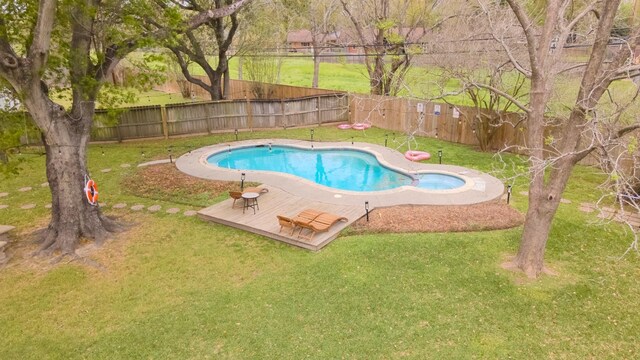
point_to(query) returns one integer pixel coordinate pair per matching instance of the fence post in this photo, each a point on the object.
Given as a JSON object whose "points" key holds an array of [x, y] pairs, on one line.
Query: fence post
{"points": [[163, 116], [318, 110], [249, 114], [284, 113]]}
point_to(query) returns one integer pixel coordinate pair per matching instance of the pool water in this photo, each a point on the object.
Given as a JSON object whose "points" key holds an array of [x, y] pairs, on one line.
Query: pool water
{"points": [[342, 169]]}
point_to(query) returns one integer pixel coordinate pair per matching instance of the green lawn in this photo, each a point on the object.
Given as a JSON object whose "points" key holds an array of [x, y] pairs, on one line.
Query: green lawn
{"points": [[176, 287]]}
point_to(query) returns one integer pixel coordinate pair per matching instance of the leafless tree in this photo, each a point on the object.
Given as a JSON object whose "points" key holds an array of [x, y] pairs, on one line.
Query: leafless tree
{"points": [[591, 123], [389, 30]]}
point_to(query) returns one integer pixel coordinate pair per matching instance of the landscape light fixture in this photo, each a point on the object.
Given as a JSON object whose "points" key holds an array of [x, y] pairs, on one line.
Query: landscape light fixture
{"points": [[508, 193], [366, 209], [440, 156], [242, 177], [269, 146], [142, 152], [102, 150], [386, 138], [236, 133], [311, 132], [352, 140], [170, 155]]}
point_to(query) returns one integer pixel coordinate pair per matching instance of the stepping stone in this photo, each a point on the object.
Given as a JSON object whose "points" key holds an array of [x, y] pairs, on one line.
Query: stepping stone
{"points": [[173, 211], [586, 209], [125, 165], [137, 207], [27, 206], [3, 206], [120, 206], [565, 201], [190, 213], [154, 208], [4, 194], [102, 204], [105, 170], [44, 184], [524, 193], [48, 206], [26, 188], [589, 205]]}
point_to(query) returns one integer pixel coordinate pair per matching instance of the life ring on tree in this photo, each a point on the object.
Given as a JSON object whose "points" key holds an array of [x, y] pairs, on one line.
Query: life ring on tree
{"points": [[91, 191]]}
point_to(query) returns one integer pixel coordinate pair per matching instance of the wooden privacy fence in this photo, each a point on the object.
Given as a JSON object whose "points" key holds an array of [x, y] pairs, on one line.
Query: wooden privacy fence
{"points": [[444, 121], [218, 116], [247, 90]]}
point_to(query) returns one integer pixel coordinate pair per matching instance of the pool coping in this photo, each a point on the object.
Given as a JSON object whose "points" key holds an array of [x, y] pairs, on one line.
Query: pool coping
{"points": [[480, 187]]}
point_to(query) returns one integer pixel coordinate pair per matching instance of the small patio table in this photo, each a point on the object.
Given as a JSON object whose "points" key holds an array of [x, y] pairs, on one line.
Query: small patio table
{"points": [[250, 201]]}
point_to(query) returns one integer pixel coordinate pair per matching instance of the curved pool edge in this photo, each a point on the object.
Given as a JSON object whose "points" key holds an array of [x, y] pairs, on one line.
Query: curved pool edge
{"points": [[479, 187]]}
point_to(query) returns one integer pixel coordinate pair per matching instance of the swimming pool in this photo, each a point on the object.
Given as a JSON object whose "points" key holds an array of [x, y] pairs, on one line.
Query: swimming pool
{"points": [[343, 169]]}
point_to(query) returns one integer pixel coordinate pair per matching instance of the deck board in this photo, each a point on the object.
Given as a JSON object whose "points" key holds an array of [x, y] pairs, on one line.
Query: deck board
{"points": [[279, 202]]}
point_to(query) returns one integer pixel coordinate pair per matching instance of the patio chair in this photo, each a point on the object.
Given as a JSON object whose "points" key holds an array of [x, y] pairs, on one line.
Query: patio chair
{"points": [[235, 195], [321, 223], [286, 222]]}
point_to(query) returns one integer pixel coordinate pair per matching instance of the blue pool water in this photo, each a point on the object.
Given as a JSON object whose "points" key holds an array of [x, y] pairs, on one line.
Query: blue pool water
{"points": [[340, 169]]}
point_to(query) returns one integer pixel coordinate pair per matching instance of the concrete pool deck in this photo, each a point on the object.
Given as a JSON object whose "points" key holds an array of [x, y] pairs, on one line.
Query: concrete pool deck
{"points": [[480, 187]]}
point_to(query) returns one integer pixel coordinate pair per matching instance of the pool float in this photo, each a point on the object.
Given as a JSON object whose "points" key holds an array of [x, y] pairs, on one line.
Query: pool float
{"points": [[344, 126], [360, 126], [415, 155]]}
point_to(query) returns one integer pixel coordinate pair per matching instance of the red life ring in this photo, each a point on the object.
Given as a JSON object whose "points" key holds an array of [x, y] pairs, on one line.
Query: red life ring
{"points": [[91, 191]]}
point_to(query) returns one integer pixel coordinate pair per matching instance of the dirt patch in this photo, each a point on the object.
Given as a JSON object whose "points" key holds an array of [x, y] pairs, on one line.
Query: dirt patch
{"points": [[404, 219], [166, 178]]}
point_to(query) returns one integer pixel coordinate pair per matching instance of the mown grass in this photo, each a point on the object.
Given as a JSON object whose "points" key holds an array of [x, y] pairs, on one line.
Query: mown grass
{"points": [[177, 287]]}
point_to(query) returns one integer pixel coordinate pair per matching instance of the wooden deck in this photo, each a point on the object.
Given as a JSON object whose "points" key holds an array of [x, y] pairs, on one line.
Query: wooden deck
{"points": [[279, 202]]}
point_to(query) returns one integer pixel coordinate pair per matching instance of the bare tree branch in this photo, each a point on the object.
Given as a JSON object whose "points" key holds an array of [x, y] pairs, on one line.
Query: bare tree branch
{"points": [[39, 49]]}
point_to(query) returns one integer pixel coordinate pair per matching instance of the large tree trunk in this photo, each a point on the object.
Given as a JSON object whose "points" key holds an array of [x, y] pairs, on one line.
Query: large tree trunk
{"points": [[537, 226], [72, 217]]}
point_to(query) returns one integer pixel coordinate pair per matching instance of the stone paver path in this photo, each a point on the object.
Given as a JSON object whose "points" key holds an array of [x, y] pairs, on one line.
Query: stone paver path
{"points": [[154, 208], [190, 213], [48, 206], [524, 193], [4, 206], [3, 194], [44, 184], [125, 165], [105, 170], [587, 209], [27, 206], [173, 211], [120, 206], [565, 201], [26, 188], [137, 207]]}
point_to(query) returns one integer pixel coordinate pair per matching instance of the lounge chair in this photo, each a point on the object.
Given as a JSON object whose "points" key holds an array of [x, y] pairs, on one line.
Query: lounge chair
{"points": [[304, 217], [235, 195], [321, 223]]}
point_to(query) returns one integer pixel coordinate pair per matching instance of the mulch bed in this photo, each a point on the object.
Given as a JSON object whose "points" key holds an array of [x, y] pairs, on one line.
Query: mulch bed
{"points": [[409, 218], [487, 216]]}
